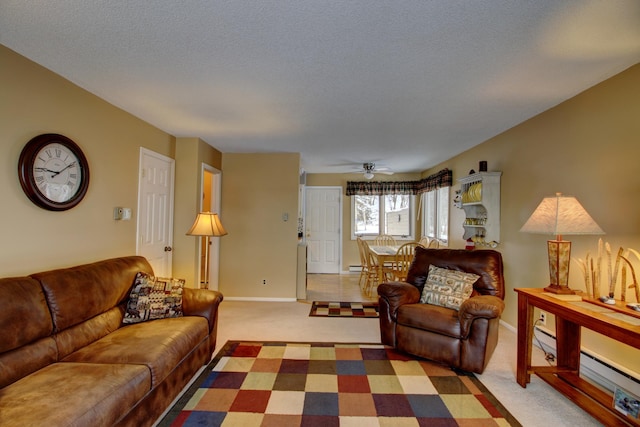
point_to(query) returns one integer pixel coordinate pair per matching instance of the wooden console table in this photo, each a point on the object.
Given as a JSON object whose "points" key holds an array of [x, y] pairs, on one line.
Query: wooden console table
{"points": [[564, 377]]}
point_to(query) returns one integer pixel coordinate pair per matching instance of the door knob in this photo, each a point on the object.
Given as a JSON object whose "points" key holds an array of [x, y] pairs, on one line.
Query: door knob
{"points": [[168, 249]]}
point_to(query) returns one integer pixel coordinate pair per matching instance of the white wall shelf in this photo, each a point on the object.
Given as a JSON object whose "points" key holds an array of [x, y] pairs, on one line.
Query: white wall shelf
{"points": [[480, 200]]}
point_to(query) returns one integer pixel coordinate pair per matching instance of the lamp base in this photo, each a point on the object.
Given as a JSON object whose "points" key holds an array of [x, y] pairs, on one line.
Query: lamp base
{"points": [[557, 289]]}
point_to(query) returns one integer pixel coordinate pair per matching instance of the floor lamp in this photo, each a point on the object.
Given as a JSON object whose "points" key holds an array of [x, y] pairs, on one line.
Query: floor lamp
{"points": [[560, 215], [207, 225]]}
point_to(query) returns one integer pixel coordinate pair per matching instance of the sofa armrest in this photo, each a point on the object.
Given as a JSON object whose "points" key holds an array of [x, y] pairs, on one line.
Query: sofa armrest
{"points": [[397, 294], [481, 306], [202, 302]]}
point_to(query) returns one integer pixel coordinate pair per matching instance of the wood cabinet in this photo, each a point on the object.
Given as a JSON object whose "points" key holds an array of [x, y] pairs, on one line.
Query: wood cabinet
{"points": [[480, 200]]}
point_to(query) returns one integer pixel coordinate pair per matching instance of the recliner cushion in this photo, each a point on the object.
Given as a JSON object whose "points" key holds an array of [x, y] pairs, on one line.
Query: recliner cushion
{"points": [[447, 288], [433, 318]]}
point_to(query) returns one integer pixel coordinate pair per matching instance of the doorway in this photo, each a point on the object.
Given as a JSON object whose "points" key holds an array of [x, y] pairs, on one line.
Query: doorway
{"points": [[211, 187], [323, 219], [154, 238]]}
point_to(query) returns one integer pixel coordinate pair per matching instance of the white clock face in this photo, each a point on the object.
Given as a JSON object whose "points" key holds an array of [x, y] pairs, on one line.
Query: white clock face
{"points": [[57, 173]]}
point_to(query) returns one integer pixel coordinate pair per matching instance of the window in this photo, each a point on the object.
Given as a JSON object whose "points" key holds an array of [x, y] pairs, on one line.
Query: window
{"points": [[389, 214], [435, 214]]}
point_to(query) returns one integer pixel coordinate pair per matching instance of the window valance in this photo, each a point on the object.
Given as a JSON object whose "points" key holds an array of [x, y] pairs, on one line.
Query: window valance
{"points": [[444, 178]]}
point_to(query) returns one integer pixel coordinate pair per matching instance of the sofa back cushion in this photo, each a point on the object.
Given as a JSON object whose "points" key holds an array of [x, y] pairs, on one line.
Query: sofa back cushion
{"points": [[79, 293], [24, 314], [485, 263], [25, 329]]}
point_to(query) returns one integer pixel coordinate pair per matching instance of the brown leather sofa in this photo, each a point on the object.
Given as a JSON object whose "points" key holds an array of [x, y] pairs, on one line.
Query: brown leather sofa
{"points": [[463, 339], [67, 359]]}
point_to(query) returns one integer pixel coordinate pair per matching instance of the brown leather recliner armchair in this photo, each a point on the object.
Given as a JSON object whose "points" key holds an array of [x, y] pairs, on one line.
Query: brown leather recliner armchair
{"points": [[463, 339]]}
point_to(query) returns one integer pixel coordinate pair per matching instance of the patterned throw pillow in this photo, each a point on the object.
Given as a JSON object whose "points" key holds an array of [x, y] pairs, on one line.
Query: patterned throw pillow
{"points": [[153, 298], [447, 288]]}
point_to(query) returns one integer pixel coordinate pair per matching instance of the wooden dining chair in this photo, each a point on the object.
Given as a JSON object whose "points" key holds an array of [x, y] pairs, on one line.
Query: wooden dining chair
{"points": [[427, 242], [372, 272], [403, 260], [362, 251], [385, 240], [424, 241]]}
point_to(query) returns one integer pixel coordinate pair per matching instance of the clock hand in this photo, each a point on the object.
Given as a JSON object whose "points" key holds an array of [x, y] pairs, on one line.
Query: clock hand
{"points": [[63, 169], [47, 170]]}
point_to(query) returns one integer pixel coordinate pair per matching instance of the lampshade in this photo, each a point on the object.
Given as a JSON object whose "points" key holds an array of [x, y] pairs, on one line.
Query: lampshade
{"points": [[561, 215], [207, 224]]}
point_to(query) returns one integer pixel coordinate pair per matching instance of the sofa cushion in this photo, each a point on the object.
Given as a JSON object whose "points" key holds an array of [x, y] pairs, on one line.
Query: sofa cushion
{"points": [[108, 283], [24, 314], [154, 298], [74, 394], [27, 359], [160, 345], [447, 288], [83, 334]]}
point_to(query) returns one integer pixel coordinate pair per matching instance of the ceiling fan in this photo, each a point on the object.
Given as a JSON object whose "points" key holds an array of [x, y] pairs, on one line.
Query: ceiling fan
{"points": [[369, 169]]}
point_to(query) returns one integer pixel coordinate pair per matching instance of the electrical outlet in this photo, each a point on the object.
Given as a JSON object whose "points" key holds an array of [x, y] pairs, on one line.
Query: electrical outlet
{"points": [[543, 318]]}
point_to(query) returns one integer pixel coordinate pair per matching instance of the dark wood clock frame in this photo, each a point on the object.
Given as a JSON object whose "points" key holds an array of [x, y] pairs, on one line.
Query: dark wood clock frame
{"points": [[26, 168]]}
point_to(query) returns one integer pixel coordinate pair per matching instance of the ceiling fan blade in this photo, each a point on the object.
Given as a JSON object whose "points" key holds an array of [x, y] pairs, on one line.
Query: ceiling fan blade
{"points": [[383, 172]]}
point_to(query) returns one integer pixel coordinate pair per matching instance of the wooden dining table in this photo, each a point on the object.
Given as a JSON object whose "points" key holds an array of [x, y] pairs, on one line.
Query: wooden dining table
{"points": [[383, 254]]}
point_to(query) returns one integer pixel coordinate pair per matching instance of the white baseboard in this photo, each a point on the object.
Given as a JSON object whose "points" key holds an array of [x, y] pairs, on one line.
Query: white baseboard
{"points": [[602, 371]]}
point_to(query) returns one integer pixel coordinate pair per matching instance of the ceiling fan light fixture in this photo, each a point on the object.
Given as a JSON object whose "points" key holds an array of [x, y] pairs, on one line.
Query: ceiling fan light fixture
{"points": [[368, 175]]}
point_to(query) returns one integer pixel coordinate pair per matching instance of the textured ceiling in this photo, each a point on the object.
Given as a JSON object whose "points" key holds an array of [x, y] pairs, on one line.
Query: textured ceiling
{"points": [[406, 84]]}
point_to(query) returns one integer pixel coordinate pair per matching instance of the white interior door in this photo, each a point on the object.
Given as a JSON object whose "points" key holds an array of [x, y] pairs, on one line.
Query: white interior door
{"points": [[155, 211], [323, 215]]}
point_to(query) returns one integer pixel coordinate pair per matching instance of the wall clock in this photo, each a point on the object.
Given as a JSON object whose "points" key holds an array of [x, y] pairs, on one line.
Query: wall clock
{"points": [[53, 172]]}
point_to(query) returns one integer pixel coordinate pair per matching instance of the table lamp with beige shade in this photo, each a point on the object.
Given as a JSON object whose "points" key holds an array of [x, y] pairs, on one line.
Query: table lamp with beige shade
{"points": [[560, 215]]}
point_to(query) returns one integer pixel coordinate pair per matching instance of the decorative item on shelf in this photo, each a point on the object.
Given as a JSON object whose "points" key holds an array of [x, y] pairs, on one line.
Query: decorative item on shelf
{"points": [[482, 167], [457, 199], [470, 245], [473, 193], [207, 225], [560, 215], [593, 277]]}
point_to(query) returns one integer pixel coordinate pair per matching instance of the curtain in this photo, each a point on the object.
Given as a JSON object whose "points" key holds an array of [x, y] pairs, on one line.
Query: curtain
{"points": [[382, 188], [444, 178]]}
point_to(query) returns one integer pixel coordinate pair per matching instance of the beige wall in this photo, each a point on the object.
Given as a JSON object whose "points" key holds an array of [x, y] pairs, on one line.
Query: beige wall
{"points": [[191, 154], [588, 147], [35, 101], [257, 189]]}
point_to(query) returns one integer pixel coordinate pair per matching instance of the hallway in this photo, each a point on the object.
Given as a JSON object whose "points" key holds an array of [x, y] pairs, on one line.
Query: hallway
{"points": [[336, 287]]}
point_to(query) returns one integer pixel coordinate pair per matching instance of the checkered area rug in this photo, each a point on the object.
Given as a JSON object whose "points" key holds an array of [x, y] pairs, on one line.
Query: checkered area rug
{"points": [[344, 309], [324, 384]]}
